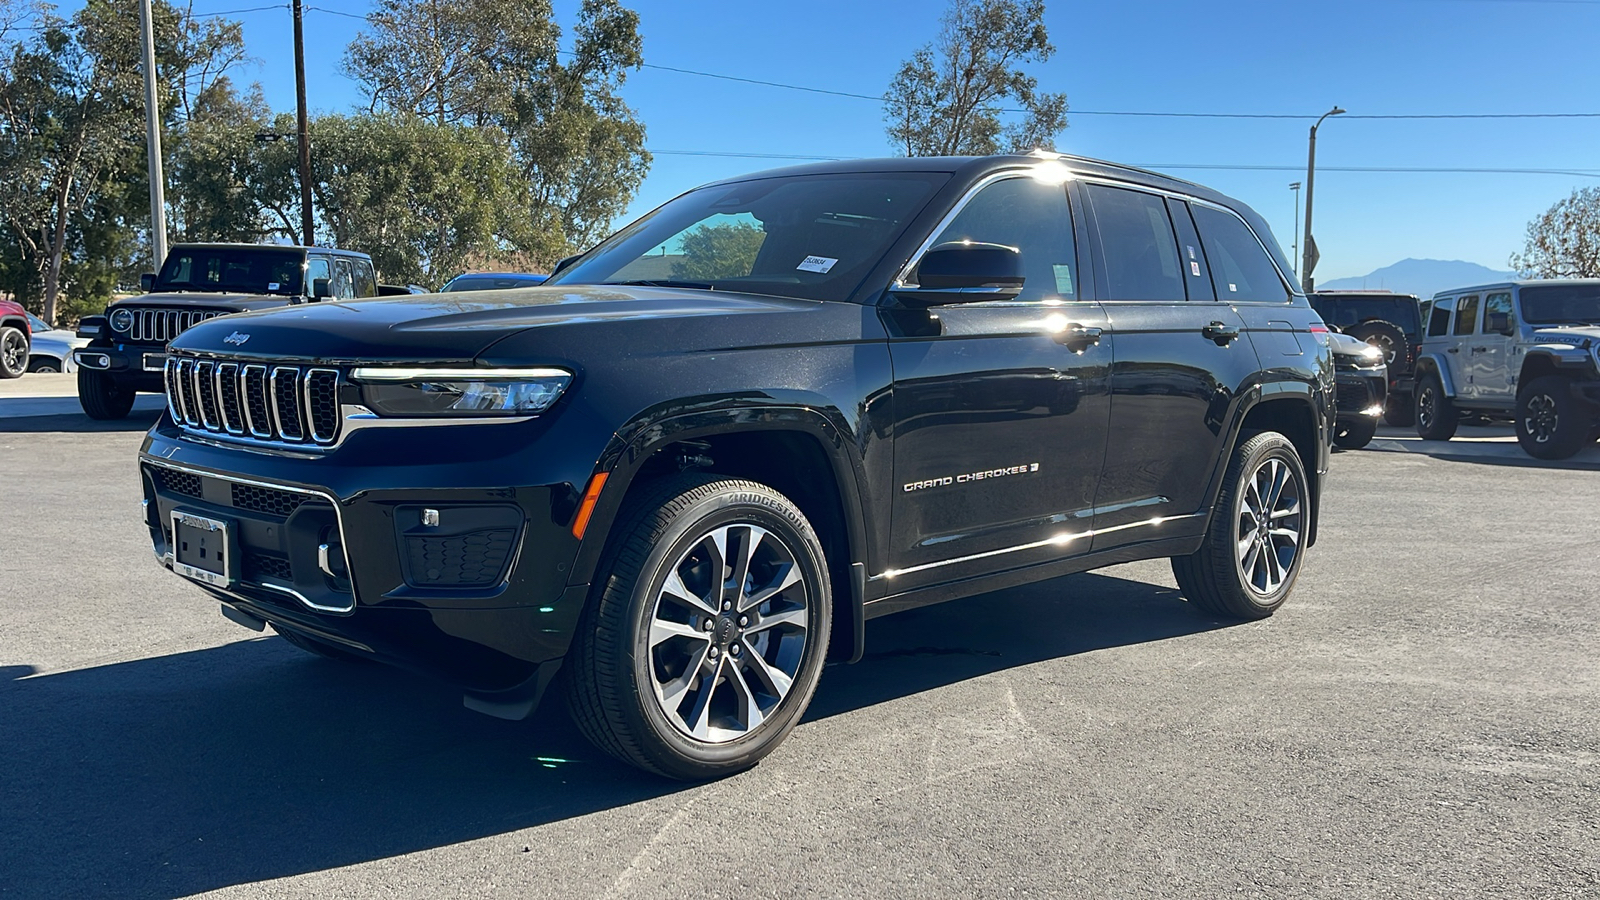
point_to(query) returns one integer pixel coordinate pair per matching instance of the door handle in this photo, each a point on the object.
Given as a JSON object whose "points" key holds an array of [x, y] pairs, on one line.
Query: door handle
{"points": [[1221, 332], [1480, 349], [1454, 350], [1076, 336]]}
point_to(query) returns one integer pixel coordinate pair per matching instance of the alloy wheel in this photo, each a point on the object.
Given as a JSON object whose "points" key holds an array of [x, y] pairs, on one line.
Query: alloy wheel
{"points": [[1269, 526], [727, 632], [1541, 418], [1425, 407], [14, 354]]}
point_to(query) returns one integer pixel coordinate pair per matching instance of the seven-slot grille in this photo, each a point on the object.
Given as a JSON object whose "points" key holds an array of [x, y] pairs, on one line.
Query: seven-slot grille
{"points": [[157, 326], [255, 401]]}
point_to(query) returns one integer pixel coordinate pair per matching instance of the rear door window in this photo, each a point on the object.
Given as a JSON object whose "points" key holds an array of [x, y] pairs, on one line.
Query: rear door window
{"points": [[1191, 258], [1240, 266], [1033, 217], [366, 284], [1439, 319], [1467, 314], [344, 281], [1136, 239]]}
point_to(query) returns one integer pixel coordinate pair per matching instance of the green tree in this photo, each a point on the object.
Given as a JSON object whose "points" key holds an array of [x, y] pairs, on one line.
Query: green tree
{"points": [[945, 100], [422, 198], [496, 65], [1564, 241], [225, 185], [724, 250]]}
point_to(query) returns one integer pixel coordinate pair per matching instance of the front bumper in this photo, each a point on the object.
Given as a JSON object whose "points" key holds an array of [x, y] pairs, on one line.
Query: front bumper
{"points": [[136, 365], [1360, 393], [339, 546]]}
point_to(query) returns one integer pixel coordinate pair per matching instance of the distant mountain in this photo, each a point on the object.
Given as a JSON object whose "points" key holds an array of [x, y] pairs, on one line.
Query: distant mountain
{"points": [[1423, 277]]}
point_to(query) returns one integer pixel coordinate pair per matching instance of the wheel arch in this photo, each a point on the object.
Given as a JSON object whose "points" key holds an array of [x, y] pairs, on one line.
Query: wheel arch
{"points": [[1433, 363], [1292, 409], [782, 447]]}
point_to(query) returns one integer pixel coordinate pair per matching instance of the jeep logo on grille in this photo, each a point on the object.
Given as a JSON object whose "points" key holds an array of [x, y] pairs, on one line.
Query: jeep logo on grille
{"points": [[237, 338]]}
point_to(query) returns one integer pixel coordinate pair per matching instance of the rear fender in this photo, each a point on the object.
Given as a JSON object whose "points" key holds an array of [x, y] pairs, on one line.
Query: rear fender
{"points": [[1435, 363]]}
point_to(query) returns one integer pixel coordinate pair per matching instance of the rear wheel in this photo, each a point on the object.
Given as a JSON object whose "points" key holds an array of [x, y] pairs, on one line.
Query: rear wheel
{"points": [[707, 637], [1436, 415], [46, 365], [1552, 423], [101, 397], [1252, 550], [13, 352]]}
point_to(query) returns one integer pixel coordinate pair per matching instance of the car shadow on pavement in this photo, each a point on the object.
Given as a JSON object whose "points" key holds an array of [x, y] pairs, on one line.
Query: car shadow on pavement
{"points": [[74, 423], [178, 774]]}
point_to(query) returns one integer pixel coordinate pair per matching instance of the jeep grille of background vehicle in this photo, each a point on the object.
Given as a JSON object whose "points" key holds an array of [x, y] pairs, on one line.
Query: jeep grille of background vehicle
{"points": [[157, 326], [255, 401]]}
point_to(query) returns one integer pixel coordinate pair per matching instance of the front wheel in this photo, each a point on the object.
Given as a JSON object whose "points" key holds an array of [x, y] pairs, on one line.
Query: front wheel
{"points": [[13, 352], [101, 397], [1353, 434], [1436, 417], [1552, 423], [708, 633], [1252, 550]]}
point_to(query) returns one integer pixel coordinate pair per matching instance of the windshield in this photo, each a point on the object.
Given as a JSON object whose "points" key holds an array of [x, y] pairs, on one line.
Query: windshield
{"points": [[812, 237], [1563, 304], [1347, 312], [36, 324], [490, 282], [240, 270]]}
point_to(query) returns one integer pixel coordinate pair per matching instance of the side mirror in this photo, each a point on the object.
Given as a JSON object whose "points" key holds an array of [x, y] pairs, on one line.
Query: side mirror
{"points": [[147, 282], [965, 272], [566, 261], [321, 289]]}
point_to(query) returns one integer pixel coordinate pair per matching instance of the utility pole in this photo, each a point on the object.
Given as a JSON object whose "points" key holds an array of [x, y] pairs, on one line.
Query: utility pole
{"points": [[152, 126], [1294, 228], [1311, 254], [307, 231]]}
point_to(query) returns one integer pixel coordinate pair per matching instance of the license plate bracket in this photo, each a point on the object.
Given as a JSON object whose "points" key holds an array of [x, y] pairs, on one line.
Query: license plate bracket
{"points": [[204, 548], [154, 362]]}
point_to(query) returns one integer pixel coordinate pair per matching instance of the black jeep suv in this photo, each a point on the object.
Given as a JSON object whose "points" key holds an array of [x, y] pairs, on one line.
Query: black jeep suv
{"points": [[1390, 322], [688, 469], [127, 345]]}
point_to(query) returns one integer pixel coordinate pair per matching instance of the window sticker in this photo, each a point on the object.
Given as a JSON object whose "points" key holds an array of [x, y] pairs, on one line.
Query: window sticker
{"points": [[1063, 280], [272, 285], [1233, 288], [1191, 252], [1194, 268], [816, 264]]}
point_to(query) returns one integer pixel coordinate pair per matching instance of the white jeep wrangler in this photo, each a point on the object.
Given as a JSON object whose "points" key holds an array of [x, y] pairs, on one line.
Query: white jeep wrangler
{"points": [[1528, 351]]}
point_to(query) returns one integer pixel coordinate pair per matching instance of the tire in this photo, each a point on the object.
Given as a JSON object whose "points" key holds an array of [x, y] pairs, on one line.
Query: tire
{"points": [[1353, 434], [655, 586], [101, 397], [1552, 422], [1386, 336], [44, 365], [1251, 584], [1400, 411], [318, 648], [1436, 416], [13, 352]]}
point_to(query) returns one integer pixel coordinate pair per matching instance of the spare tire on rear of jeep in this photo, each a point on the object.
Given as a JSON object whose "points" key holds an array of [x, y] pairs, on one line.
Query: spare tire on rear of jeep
{"points": [[1386, 336]]}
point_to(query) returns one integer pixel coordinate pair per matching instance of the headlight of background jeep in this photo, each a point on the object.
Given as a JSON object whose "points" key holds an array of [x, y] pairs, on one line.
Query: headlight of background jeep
{"points": [[460, 392], [121, 320]]}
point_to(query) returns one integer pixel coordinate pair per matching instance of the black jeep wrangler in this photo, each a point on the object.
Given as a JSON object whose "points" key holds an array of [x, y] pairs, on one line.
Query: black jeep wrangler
{"points": [[1390, 322], [128, 344], [686, 471]]}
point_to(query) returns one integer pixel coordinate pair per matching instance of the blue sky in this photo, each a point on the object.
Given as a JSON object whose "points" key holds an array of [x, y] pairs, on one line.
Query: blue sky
{"points": [[1240, 56]]}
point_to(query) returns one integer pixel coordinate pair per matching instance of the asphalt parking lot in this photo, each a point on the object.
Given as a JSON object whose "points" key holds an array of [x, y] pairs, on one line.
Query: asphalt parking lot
{"points": [[1421, 720]]}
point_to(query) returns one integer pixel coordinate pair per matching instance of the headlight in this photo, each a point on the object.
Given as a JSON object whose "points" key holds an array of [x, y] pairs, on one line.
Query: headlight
{"points": [[460, 392], [121, 320], [1372, 354]]}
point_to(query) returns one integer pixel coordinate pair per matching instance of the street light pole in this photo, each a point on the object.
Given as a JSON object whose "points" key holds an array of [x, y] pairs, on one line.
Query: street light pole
{"points": [[1294, 226], [152, 126], [307, 232], [1311, 255]]}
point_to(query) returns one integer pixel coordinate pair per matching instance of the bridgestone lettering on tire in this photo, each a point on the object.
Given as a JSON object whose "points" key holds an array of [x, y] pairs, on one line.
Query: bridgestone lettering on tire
{"points": [[703, 643], [1252, 550]]}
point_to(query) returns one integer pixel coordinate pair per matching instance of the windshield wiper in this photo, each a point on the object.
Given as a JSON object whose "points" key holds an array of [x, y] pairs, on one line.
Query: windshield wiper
{"points": [[666, 283]]}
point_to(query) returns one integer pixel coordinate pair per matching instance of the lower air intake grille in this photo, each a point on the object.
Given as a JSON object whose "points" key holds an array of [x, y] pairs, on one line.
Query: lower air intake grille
{"points": [[468, 560], [266, 500], [178, 482]]}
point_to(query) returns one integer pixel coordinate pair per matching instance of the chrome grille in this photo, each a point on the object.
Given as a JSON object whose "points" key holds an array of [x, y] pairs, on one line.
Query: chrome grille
{"points": [[279, 404], [157, 326]]}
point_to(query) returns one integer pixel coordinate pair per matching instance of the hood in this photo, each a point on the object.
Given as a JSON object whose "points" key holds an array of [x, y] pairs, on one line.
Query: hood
{"points": [[460, 327], [1577, 335], [191, 299]]}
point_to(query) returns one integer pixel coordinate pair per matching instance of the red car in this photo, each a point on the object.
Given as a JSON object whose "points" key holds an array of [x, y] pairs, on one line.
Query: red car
{"points": [[15, 338]]}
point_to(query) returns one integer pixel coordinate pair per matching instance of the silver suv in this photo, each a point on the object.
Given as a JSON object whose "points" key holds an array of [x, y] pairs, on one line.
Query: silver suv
{"points": [[1528, 351]]}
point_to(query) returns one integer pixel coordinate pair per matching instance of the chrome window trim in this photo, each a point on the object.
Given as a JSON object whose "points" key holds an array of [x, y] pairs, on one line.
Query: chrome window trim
{"points": [[338, 515]]}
